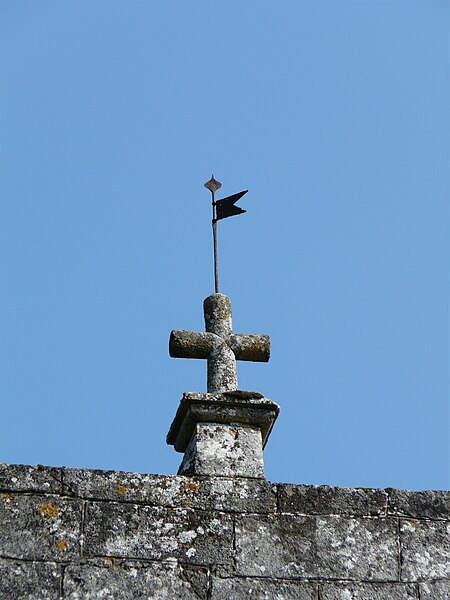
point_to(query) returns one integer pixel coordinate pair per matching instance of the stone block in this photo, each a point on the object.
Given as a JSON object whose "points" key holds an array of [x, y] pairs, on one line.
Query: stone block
{"points": [[226, 450], [30, 580], [425, 550], [214, 493], [133, 579], [435, 590], [237, 495], [420, 505], [325, 500], [121, 486], [155, 533], [39, 527], [317, 547], [262, 589], [367, 591], [23, 478], [227, 408]]}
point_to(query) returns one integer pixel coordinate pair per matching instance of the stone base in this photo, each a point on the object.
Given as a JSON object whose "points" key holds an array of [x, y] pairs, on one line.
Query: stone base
{"points": [[224, 450], [223, 434]]}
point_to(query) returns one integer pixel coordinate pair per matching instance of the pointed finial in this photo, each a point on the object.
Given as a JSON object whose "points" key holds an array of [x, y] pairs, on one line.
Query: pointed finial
{"points": [[212, 185]]}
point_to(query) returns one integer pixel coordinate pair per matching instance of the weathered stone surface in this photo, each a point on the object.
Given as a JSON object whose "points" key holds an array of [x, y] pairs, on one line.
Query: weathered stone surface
{"points": [[262, 589], [422, 505], [233, 495], [325, 500], [367, 591], [228, 408], [425, 550], [319, 547], [224, 450], [191, 344], [221, 372], [219, 345], [435, 590], [217, 313], [30, 580], [121, 486], [250, 346], [154, 533], [24, 478], [39, 527], [153, 536], [133, 579], [222, 494]]}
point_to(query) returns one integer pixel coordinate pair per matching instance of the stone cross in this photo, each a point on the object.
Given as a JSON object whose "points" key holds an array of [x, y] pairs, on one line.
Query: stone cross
{"points": [[219, 345]]}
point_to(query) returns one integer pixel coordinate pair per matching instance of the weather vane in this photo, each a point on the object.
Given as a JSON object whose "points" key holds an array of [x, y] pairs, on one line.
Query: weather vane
{"points": [[221, 209]]}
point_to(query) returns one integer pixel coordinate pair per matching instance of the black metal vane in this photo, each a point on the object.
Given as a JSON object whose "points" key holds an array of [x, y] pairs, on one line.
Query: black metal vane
{"points": [[221, 209], [226, 207]]}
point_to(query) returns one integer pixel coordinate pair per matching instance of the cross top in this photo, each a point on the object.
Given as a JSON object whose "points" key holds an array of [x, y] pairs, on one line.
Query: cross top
{"points": [[219, 345]]}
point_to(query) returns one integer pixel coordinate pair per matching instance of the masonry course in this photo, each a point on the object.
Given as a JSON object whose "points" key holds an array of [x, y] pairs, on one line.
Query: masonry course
{"points": [[78, 533], [73, 533]]}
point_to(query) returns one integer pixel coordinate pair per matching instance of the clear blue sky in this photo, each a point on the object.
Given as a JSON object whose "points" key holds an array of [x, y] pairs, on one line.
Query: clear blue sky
{"points": [[335, 115]]}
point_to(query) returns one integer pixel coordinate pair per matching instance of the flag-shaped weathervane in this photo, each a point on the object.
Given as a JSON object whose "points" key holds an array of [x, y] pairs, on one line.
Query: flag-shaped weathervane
{"points": [[226, 207]]}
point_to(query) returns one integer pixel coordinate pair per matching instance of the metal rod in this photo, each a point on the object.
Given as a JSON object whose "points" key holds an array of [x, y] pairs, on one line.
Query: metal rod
{"points": [[214, 228]]}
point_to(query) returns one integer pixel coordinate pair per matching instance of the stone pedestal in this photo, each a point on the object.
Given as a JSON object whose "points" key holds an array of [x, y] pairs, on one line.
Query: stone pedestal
{"points": [[227, 450], [223, 434]]}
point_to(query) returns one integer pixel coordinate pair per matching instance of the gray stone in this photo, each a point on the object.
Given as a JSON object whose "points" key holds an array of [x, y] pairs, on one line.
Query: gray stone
{"points": [[219, 345], [435, 590], [234, 495], [224, 450], [123, 580], [325, 500], [39, 527], [262, 589], [422, 505], [29, 580], [228, 408], [244, 417], [23, 478], [425, 550], [367, 591], [155, 533], [127, 535], [319, 547], [221, 494], [121, 486]]}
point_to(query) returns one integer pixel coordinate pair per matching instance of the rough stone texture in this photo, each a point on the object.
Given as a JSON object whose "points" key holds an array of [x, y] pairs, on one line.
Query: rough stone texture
{"points": [[155, 533], [422, 505], [39, 527], [24, 478], [324, 500], [235, 494], [249, 346], [435, 590], [324, 547], [239, 406], [217, 313], [74, 533], [367, 591], [262, 589], [30, 580], [224, 450], [133, 579], [425, 549], [219, 345]]}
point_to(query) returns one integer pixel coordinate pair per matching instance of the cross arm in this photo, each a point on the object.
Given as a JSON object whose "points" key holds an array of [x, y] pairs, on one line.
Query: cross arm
{"points": [[191, 344], [250, 346]]}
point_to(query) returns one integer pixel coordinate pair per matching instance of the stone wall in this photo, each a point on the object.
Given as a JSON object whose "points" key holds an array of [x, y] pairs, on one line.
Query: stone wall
{"points": [[72, 533]]}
